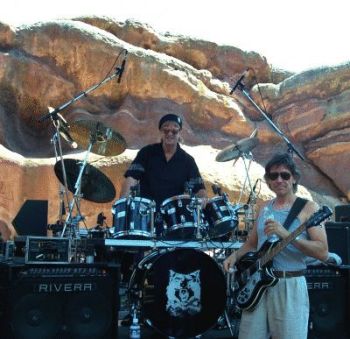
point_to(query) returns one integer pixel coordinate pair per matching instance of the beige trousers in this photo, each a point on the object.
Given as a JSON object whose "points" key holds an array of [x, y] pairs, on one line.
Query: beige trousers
{"points": [[282, 312]]}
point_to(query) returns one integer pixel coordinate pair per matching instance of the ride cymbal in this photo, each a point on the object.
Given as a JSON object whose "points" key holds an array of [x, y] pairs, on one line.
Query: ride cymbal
{"points": [[95, 186], [236, 150], [105, 140]]}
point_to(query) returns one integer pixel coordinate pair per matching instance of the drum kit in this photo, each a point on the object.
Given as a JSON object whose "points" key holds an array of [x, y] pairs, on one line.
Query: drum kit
{"points": [[181, 292]]}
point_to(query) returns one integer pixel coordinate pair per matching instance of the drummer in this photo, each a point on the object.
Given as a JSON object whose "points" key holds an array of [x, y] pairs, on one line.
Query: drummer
{"points": [[164, 169], [160, 171]]}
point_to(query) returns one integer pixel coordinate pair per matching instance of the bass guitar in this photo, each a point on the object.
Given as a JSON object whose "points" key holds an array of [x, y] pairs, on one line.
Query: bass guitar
{"points": [[254, 270]]}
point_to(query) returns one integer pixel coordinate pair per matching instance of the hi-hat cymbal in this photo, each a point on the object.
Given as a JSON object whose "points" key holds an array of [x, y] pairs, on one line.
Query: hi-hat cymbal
{"points": [[105, 140], [236, 150], [95, 186]]}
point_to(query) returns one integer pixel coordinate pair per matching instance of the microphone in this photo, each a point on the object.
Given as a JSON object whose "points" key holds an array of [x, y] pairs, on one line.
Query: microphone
{"points": [[239, 81], [188, 188], [135, 190], [122, 67], [216, 189], [100, 219], [251, 193]]}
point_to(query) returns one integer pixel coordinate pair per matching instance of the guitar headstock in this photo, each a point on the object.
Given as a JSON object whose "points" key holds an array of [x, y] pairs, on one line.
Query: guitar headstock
{"points": [[320, 215]]}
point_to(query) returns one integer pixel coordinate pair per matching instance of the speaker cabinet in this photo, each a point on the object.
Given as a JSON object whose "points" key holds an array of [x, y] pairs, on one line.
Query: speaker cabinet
{"points": [[342, 213], [338, 234], [329, 303], [59, 301]]}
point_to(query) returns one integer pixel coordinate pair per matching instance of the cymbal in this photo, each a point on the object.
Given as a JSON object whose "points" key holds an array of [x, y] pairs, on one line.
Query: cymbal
{"points": [[236, 150], [106, 141], [95, 186]]}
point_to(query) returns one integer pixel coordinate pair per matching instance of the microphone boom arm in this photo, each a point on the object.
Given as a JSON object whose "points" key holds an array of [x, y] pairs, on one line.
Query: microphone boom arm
{"points": [[291, 147], [53, 114]]}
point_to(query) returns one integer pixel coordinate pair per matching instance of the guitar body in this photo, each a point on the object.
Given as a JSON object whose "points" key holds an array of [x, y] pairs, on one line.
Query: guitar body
{"points": [[253, 280]]}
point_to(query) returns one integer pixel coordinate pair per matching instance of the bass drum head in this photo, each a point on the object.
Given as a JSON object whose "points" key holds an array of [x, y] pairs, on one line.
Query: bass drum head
{"points": [[184, 293]]}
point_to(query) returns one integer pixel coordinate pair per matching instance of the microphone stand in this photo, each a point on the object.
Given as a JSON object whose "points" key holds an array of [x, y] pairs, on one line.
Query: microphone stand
{"points": [[291, 147]]}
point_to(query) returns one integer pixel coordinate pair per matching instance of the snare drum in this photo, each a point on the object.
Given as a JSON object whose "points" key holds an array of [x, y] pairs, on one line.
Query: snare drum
{"points": [[180, 217], [220, 216], [183, 291], [133, 218]]}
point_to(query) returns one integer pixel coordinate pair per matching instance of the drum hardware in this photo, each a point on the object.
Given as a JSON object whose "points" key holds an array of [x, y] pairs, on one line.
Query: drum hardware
{"points": [[243, 149], [89, 181], [99, 138], [197, 204], [85, 181], [58, 122], [235, 151], [159, 244], [232, 313], [103, 139]]}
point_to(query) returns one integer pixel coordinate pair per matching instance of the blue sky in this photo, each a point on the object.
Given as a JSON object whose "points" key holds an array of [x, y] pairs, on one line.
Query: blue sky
{"points": [[293, 35]]}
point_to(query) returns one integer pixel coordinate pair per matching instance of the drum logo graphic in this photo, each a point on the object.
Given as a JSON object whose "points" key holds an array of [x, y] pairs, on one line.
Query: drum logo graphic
{"points": [[183, 293]]}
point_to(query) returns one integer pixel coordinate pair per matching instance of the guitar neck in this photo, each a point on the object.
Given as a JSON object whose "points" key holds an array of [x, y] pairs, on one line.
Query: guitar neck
{"points": [[282, 244]]}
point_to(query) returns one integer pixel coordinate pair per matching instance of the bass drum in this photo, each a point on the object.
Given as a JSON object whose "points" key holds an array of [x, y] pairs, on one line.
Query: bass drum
{"points": [[183, 291]]}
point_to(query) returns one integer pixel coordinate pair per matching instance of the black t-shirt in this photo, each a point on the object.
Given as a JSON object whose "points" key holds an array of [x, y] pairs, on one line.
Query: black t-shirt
{"points": [[161, 179]]}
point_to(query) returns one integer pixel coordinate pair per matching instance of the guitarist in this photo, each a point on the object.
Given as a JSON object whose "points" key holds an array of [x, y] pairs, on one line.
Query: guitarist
{"points": [[283, 310]]}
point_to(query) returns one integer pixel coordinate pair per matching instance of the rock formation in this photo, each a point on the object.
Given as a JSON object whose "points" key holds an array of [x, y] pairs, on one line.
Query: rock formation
{"points": [[50, 63]]}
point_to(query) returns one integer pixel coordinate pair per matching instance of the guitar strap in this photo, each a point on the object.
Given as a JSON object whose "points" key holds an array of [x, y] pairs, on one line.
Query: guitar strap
{"points": [[298, 205]]}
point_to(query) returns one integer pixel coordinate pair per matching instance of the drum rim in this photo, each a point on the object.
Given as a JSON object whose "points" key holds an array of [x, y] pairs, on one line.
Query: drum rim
{"points": [[127, 233], [140, 199], [176, 197], [217, 198], [225, 219], [180, 226]]}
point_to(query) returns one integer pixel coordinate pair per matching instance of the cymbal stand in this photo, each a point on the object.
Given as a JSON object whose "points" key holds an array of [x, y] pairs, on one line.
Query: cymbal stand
{"points": [[230, 304], [246, 156], [227, 319], [57, 145], [249, 207], [73, 222]]}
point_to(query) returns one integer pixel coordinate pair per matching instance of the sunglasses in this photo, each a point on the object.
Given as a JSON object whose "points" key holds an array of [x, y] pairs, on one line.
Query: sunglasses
{"points": [[274, 175], [172, 131]]}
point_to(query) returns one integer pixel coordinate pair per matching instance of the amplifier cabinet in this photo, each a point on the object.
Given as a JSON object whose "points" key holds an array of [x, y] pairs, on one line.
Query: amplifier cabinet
{"points": [[329, 303], [338, 234], [59, 301]]}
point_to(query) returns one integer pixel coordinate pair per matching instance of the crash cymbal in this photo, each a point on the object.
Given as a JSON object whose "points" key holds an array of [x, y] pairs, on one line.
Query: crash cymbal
{"points": [[236, 150], [106, 141], [95, 186]]}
